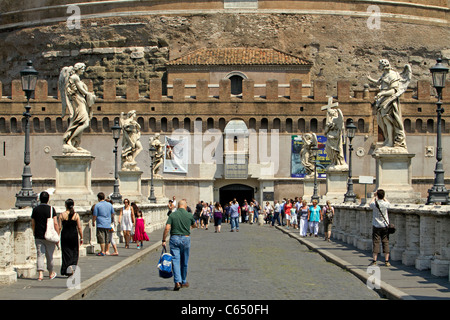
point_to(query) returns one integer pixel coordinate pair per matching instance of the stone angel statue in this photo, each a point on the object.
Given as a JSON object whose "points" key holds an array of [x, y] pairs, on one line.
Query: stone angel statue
{"points": [[158, 160], [78, 102], [387, 103], [334, 131], [131, 145], [306, 154]]}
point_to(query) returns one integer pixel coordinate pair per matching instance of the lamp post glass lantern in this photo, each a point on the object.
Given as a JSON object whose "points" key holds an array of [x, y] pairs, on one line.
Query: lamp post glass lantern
{"points": [[116, 196], [350, 196], [152, 153], [26, 196], [438, 192]]}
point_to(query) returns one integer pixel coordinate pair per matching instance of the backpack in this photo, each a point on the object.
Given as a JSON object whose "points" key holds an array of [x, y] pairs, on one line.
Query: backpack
{"points": [[165, 265]]}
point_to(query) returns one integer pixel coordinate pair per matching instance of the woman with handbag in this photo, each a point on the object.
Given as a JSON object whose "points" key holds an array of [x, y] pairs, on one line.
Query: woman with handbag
{"points": [[70, 226], [44, 247], [380, 223]]}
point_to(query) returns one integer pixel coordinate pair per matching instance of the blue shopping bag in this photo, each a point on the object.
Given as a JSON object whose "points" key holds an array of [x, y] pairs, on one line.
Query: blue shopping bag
{"points": [[165, 265]]}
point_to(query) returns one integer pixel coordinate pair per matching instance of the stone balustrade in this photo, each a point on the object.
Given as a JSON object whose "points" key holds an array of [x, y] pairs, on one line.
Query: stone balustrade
{"points": [[18, 250], [422, 237]]}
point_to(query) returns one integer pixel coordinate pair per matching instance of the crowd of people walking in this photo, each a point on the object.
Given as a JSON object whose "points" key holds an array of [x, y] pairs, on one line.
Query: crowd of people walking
{"points": [[294, 213]]}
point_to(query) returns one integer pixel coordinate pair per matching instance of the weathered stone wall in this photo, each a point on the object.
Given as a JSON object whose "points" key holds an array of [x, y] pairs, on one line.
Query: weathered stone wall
{"points": [[137, 47]]}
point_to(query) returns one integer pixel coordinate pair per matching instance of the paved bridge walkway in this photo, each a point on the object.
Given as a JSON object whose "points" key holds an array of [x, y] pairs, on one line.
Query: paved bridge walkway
{"points": [[259, 262]]}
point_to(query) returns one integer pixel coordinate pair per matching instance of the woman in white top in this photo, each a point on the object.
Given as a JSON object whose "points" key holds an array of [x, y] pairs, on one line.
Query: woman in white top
{"points": [[126, 219]]}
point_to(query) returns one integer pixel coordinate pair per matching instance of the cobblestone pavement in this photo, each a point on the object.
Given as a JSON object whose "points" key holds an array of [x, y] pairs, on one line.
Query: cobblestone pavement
{"points": [[259, 262]]}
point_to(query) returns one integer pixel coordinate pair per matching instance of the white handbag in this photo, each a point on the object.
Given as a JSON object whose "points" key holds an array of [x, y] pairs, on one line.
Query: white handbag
{"points": [[51, 234]]}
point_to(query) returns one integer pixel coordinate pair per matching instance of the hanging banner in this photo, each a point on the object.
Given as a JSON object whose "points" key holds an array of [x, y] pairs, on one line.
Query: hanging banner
{"points": [[176, 155], [297, 169]]}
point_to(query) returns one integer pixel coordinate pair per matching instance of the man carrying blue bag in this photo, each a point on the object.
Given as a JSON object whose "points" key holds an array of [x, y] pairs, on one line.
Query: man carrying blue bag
{"points": [[179, 224]]}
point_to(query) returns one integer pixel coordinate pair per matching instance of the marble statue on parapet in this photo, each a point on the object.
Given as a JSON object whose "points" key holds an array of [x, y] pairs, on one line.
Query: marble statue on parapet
{"points": [[334, 131], [306, 154], [131, 145], [156, 143], [78, 101], [387, 103]]}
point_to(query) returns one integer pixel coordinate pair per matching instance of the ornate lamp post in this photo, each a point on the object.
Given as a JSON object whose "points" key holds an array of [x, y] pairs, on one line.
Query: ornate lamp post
{"points": [[152, 152], [26, 196], [315, 195], [438, 192], [116, 196], [350, 196]]}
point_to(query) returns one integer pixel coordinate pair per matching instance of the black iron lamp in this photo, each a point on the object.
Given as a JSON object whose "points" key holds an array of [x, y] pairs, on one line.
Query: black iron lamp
{"points": [[315, 152], [26, 196], [350, 196], [438, 192], [116, 197], [152, 153]]}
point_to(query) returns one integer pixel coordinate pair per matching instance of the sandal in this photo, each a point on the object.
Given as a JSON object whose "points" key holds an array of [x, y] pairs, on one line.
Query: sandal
{"points": [[114, 254], [100, 254], [52, 276]]}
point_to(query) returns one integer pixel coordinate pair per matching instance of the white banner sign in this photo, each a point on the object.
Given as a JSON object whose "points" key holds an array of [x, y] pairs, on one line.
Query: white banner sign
{"points": [[176, 152], [366, 179]]}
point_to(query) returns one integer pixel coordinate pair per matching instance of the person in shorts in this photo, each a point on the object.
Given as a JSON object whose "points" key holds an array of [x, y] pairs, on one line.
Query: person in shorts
{"points": [[102, 216], [327, 217]]}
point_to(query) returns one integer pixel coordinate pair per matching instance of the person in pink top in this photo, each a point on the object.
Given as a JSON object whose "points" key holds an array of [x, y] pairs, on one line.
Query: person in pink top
{"points": [[139, 232]]}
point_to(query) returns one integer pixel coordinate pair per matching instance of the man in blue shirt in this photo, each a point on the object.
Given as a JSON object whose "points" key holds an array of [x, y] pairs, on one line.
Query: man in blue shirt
{"points": [[234, 216], [103, 214]]}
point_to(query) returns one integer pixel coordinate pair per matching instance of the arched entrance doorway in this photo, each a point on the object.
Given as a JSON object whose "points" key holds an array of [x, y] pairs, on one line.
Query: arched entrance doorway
{"points": [[239, 191]]}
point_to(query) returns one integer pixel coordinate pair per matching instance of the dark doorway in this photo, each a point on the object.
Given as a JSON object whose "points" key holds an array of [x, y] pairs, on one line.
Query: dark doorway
{"points": [[239, 191]]}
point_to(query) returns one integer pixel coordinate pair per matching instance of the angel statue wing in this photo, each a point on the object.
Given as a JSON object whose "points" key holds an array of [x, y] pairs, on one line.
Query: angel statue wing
{"points": [[405, 77], [340, 120], [63, 83], [314, 142]]}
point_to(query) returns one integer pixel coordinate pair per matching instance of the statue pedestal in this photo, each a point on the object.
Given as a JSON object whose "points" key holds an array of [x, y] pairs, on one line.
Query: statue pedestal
{"points": [[394, 176], [308, 188], [73, 180], [159, 190], [336, 185], [130, 185]]}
